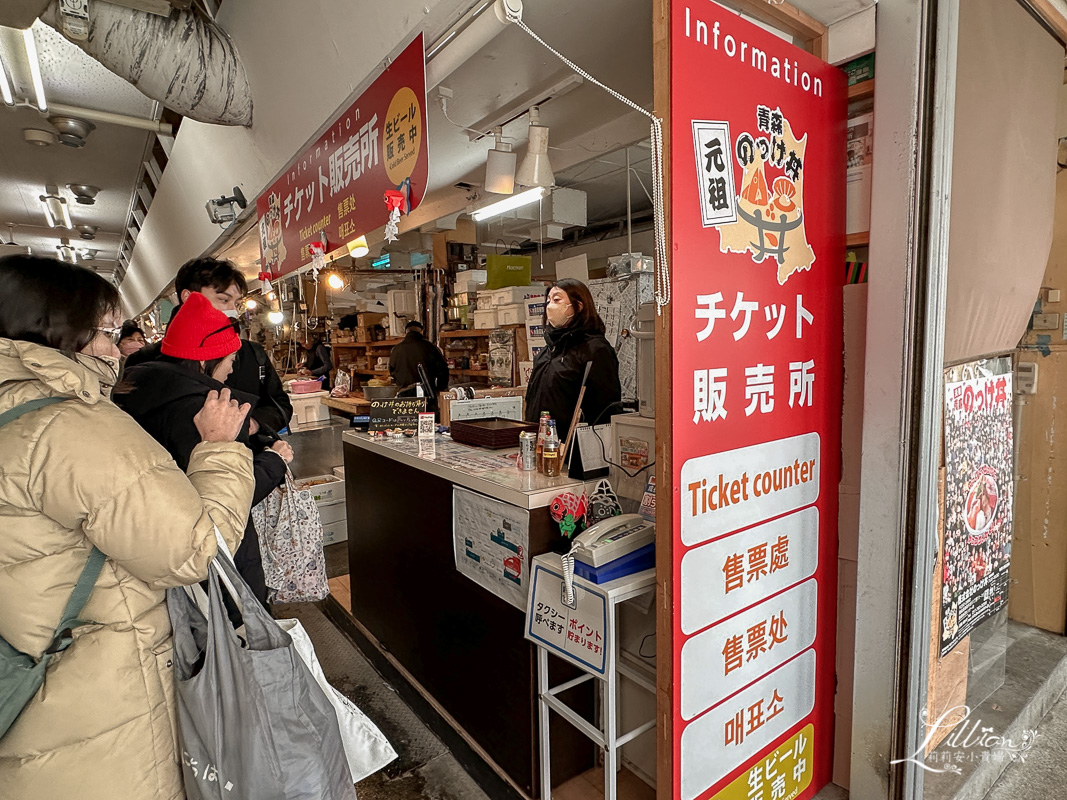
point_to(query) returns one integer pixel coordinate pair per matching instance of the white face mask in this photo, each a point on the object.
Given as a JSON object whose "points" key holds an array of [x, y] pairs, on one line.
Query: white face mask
{"points": [[232, 313]]}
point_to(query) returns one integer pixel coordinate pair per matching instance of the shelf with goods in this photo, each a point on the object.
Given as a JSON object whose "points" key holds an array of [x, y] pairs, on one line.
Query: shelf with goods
{"points": [[860, 158], [450, 342]]}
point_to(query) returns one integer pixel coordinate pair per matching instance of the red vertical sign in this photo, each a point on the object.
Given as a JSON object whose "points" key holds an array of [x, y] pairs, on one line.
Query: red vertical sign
{"points": [[336, 187], [757, 199]]}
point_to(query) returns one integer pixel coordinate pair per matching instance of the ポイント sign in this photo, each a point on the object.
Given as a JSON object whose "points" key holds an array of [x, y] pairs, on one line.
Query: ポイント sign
{"points": [[757, 203], [336, 187]]}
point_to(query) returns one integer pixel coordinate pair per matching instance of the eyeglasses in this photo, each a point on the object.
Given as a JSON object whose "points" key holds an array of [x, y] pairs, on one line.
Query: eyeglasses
{"points": [[111, 333]]}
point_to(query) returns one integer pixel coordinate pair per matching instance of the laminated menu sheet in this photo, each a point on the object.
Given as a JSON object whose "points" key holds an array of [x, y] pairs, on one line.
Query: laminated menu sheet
{"points": [[491, 540]]}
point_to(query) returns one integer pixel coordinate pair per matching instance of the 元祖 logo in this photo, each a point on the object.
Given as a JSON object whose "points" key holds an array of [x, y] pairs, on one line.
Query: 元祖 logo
{"points": [[765, 217]]}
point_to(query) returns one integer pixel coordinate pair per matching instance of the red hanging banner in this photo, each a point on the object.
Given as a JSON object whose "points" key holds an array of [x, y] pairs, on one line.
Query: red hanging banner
{"points": [[336, 186], [757, 203]]}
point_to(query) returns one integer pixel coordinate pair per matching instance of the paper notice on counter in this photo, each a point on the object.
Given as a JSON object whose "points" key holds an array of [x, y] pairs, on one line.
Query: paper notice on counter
{"points": [[491, 540]]}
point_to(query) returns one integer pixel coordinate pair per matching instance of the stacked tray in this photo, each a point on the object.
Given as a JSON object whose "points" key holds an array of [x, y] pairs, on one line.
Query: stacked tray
{"points": [[495, 433]]}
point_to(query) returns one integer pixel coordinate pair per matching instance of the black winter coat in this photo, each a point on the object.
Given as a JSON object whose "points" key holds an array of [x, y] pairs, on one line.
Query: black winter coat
{"points": [[252, 374], [404, 360], [557, 374], [163, 396], [319, 362]]}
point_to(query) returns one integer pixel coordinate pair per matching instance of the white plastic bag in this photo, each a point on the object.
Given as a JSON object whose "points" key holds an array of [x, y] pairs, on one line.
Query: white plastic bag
{"points": [[366, 747]]}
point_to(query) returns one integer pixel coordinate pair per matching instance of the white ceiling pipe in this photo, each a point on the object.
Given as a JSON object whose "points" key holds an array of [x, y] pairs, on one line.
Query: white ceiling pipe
{"points": [[187, 63], [125, 120], [464, 44]]}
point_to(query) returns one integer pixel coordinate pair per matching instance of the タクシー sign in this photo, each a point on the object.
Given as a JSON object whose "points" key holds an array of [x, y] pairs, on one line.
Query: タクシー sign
{"points": [[757, 202], [336, 187]]}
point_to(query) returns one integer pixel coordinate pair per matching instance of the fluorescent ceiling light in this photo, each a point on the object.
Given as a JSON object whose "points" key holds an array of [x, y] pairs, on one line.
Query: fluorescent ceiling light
{"points": [[5, 85], [509, 203], [35, 68], [55, 211]]}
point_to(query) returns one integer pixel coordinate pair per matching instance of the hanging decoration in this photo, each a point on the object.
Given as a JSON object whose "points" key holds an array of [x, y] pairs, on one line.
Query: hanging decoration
{"points": [[394, 200]]}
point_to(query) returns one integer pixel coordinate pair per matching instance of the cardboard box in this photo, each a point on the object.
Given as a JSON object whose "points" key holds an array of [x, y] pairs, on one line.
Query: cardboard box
{"points": [[485, 320], [363, 335], [368, 319], [514, 314]]}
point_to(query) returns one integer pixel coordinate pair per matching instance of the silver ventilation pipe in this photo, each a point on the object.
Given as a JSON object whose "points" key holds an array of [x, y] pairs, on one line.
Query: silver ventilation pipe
{"points": [[185, 62]]}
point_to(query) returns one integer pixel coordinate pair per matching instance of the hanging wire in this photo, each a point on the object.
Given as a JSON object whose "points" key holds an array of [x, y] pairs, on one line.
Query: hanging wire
{"points": [[663, 275]]}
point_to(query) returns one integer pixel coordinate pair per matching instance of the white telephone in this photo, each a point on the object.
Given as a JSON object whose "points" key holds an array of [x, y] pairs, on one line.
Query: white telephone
{"points": [[606, 541], [613, 538]]}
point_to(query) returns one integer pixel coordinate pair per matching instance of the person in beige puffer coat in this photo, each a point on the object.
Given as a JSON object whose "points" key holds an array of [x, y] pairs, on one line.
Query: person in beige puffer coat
{"points": [[82, 473]]}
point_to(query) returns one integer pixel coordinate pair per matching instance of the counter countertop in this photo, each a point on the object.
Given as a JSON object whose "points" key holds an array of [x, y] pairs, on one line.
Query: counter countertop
{"points": [[491, 472]]}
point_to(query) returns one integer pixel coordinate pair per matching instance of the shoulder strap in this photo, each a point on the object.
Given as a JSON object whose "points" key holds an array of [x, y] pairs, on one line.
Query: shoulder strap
{"points": [[13, 414], [91, 570]]}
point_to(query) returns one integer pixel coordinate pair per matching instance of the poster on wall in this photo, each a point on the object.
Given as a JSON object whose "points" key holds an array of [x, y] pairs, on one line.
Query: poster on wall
{"points": [[757, 203], [491, 542], [336, 187], [978, 497]]}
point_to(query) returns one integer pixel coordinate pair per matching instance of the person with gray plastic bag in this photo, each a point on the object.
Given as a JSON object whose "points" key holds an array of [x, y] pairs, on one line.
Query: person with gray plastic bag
{"points": [[253, 722]]}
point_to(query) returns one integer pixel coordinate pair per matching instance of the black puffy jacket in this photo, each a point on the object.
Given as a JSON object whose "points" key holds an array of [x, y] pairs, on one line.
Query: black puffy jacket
{"points": [[163, 396], [557, 377]]}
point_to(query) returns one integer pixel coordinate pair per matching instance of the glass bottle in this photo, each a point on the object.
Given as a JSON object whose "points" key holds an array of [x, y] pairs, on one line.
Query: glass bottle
{"points": [[550, 456], [542, 432]]}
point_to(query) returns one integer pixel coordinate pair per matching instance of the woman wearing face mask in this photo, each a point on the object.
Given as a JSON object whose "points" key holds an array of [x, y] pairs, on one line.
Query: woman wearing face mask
{"points": [[79, 474], [575, 337], [196, 358]]}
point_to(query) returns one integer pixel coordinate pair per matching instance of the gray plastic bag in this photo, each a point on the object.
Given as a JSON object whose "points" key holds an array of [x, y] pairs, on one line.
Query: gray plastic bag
{"points": [[253, 723]]}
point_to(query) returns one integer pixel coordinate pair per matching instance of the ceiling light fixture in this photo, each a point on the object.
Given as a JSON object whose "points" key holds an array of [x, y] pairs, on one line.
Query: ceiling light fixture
{"points": [[5, 85], [535, 169], [507, 204], [358, 247], [275, 317], [335, 281], [55, 211], [251, 304], [35, 68], [500, 165]]}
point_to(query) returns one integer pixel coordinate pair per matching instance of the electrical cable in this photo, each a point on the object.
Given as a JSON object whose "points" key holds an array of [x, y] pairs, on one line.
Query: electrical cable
{"points": [[663, 277]]}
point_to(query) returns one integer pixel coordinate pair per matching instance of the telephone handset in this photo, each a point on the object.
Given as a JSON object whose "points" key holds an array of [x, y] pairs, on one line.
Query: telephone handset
{"points": [[606, 541]]}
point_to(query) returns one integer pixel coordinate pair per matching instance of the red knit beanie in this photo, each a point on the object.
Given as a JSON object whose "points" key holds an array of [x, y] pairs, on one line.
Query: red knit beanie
{"points": [[200, 332]]}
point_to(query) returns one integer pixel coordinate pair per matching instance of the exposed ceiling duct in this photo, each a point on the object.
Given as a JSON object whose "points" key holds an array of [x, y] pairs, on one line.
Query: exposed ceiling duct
{"points": [[184, 61]]}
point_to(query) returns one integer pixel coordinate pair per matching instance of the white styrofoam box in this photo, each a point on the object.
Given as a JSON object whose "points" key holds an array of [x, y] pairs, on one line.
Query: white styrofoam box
{"points": [[332, 512], [517, 294], [535, 309], [485, 319], [513, 314], [525, 368], [308, 408], [535, 330], [332, 490], [534, 345], [339, 472], [335, 532]]}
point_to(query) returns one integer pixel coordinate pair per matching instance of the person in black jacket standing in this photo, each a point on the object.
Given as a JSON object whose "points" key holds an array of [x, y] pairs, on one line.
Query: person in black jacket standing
{"points": [[574, 334], [318, 360], [404, 360], [253, 374], [165, 395]]}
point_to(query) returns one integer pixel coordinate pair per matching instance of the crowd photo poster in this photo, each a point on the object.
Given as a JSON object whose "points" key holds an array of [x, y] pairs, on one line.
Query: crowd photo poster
{"points": [[978, 498]]}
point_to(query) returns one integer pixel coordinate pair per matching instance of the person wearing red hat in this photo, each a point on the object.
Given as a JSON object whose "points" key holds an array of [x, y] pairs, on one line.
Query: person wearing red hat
{"points": [[164, 395]]}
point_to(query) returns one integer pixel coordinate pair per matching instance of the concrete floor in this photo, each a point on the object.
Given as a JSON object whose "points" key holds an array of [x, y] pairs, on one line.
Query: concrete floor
{"points": [[424, 769], [1039, 774]]}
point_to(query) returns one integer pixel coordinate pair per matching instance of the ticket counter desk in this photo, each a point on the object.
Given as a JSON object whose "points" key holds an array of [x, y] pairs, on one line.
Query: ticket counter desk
{"points": [[456, 641]]}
